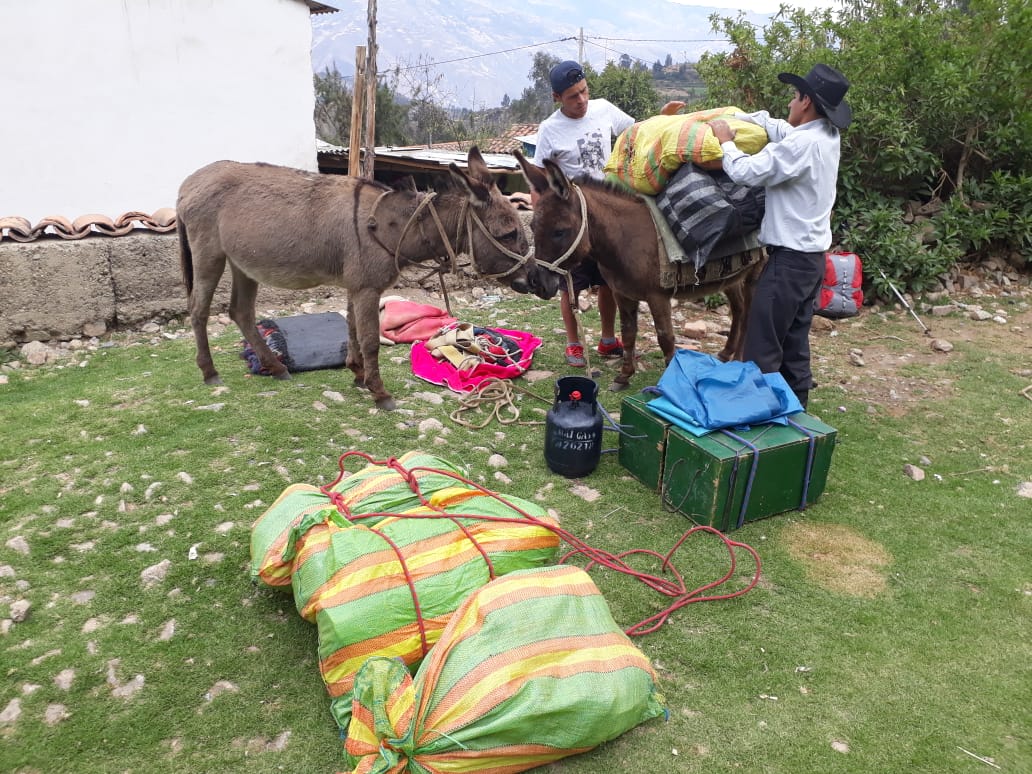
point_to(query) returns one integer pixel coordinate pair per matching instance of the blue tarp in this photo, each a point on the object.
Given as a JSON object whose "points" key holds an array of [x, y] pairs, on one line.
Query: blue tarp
{"points": [[700, 393]]}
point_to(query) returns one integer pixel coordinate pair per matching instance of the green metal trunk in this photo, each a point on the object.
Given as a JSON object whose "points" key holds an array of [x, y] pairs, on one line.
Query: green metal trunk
{"points": [[726, 479], [643, 440]]}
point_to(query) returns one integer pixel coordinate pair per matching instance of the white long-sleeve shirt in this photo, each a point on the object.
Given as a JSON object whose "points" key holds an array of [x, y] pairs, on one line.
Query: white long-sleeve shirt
{"points": [[799, 169]]}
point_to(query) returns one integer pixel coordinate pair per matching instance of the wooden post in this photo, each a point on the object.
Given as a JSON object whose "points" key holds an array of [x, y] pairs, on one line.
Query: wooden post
{"points": [[357, 100], [369, 159]]}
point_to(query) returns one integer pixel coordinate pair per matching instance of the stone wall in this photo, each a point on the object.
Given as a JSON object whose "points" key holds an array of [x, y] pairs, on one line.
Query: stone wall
{"points": [[54, 289], [57, 289]]}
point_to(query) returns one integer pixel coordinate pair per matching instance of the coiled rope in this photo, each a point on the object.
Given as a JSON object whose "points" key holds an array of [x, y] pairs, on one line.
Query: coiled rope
{"points": [[493, 399]]}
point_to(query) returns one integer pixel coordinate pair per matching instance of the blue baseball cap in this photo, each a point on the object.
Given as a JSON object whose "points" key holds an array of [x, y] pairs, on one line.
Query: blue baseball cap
{"points": [[564, 75]]}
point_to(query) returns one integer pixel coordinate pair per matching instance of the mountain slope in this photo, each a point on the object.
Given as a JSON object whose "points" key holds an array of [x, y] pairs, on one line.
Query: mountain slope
{"points": [[459, 39]]}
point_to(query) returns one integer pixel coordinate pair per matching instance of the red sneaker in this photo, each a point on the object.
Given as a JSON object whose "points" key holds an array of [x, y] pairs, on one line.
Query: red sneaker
{"points": [[614, 349], [575, 356]]}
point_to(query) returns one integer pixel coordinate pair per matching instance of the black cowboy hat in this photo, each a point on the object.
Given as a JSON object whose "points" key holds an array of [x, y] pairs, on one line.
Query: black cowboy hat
{"points": [[827, 87]]}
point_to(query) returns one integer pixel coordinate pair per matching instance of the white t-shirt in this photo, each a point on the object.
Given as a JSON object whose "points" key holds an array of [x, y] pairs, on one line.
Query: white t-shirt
{"points": [[581, 146]]}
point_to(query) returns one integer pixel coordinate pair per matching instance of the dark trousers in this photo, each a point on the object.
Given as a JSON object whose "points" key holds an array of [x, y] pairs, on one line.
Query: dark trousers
{"points": [[777, 337]]}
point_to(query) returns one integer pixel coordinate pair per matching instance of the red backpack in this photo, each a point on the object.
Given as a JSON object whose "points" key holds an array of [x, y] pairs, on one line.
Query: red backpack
{"points": [[841, 294]]}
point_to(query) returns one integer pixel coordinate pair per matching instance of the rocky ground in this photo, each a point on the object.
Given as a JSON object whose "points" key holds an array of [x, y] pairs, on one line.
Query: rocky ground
{"points": [[989, 303]]}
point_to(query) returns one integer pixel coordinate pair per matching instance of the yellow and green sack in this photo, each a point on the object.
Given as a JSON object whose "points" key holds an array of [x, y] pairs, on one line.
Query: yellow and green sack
{"points": [[386, 583], [531, 668], [394, 586], [281, 535], [647, 153]]}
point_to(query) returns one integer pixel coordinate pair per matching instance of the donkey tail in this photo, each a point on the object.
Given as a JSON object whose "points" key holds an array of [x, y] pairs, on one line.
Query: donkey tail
{"points": [[185, 256]]}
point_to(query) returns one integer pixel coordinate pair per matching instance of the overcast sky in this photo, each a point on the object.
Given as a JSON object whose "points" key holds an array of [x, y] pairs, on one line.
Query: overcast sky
{"points": [[760, 6]]}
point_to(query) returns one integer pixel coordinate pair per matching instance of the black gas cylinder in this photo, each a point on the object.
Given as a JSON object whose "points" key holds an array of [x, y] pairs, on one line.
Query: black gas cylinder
{"points": [[573, 428]]}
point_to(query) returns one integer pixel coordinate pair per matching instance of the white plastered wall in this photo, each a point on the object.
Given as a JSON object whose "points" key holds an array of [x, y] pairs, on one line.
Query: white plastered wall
{"points": [[108, 105]]}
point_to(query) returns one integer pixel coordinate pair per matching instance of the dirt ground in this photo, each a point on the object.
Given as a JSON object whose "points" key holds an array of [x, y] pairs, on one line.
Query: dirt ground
{"points": [[855, 355], [868, 357]]}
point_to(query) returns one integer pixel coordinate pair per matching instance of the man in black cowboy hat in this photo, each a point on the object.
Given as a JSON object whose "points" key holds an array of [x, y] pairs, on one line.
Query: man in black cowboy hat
{"points": [[799, 169]]}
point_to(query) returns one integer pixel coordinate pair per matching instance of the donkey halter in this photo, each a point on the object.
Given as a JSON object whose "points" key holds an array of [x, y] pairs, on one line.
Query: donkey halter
{"points": [[467, 218], [556, 265]]}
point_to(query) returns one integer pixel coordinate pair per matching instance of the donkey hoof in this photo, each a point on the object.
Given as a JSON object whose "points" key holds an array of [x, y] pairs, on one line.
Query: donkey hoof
{"points": [[213, 380], [618, 386], [282, 376], [361, 384], [386, 404]]}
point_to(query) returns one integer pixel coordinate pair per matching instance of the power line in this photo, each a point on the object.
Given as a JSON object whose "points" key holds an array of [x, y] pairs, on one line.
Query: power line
{"points": [[655, 40], [587, 38], [481, 56]]}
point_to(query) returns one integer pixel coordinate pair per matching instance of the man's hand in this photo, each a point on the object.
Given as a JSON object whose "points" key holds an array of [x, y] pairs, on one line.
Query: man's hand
{"points": [[721, 130], [671, 107]]}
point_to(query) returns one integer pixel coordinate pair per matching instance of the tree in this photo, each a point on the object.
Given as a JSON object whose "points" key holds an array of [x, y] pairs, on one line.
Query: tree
{"points": [[428, 121], [940, 94], [332, 107], [333, 99], [669, 60], [536, 101], [391, 116], [631, 90]]}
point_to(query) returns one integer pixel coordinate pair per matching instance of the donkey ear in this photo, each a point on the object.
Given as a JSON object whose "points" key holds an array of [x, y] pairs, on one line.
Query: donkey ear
{"points": [[534, 176], [406, 183], [557, 179], [479, 193], [478, 167]]}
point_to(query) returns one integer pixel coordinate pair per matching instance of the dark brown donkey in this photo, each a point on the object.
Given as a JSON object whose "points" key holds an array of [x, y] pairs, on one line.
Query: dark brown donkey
{"points": [[294, 229], [619, 234]]}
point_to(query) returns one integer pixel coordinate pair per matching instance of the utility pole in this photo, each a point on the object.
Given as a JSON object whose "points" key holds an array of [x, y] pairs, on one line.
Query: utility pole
{"points": [[357, 101], [369, 159], [580, 47]]}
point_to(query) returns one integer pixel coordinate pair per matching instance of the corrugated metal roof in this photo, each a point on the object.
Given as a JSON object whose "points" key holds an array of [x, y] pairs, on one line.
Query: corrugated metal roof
{"points": [[420, 155]]}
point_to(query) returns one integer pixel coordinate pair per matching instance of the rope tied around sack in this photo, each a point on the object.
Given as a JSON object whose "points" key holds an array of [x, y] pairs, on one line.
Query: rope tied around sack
{"points": [[339, 503], [671, 584]]}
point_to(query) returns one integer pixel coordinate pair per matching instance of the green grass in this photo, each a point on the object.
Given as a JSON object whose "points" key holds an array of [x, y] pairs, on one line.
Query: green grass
{"points": [[114, 465]]}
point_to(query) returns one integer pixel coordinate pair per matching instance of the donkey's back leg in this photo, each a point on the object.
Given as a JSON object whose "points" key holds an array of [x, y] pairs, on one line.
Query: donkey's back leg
{"points": [[365, 317], [208, 272], [241, 311]]}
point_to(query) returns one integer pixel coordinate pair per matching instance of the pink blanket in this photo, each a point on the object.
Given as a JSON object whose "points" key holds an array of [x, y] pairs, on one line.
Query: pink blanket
{"points": [[426, 366], [404, 321]]}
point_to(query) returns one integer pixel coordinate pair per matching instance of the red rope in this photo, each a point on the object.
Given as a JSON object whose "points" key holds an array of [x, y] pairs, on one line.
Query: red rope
{"points": [[412, 590], [673, 587], [338, 501]]}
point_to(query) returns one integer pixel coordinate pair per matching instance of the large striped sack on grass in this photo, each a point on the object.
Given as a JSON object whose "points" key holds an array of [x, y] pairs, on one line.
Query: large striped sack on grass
{"points": [[393, 586], [300, 513], [648, 153], [386, 583], [532, 668]]}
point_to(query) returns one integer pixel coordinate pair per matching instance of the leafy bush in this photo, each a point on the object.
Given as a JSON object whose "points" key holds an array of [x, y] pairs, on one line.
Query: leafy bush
{"points": [[873, 228], [941, 112], [990, 216]]}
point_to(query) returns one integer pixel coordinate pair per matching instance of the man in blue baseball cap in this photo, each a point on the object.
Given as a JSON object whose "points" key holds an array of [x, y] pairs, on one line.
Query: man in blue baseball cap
{"points": [[578, 137], [799, 169]]}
